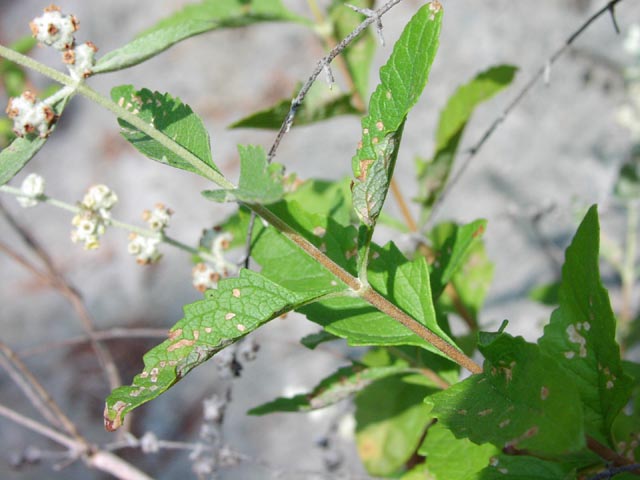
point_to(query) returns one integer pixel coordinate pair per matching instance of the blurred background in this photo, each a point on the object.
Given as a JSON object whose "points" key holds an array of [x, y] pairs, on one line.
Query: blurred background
{"points": [[558, 152]]}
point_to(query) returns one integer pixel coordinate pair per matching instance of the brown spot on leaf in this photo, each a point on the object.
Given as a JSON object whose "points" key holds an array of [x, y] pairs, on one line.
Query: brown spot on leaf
{"points": [[364, 168], [479, 231], [173, 334], [185, 342]]}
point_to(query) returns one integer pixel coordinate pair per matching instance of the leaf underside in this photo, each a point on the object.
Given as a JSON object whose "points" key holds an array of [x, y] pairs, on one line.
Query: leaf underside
{"points": [[193, 20]]}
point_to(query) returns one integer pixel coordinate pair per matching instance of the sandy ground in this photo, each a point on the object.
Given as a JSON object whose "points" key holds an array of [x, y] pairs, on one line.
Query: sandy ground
{"points": [[561, 147]]}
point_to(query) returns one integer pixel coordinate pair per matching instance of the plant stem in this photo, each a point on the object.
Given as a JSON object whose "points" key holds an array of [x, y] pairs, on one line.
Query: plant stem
{"points": [[201, 167], [404, 208], [367, 294], [98, 459], [116, 223]]}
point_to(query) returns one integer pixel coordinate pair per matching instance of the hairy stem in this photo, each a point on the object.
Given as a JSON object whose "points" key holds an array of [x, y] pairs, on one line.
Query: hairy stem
{"points": [[201, 167], [116, 223], [368, 294]]}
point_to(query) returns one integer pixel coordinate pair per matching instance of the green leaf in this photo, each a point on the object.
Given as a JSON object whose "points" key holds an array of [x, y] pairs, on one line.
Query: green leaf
{"points": [[260, 182], [340, 385], [471, 283], [171, 117], [628, 185], [327, 198], [402, 80], [193, 20], [525, 468], [391, 420], [359, 55], [18, 153], [404, 283], [312, 340], [320, 104], [237, 307], [418, 358], [546, 294], [370, 191], [581, 334], [444, 452], [519, 402], [433, 174], [453, 245]]}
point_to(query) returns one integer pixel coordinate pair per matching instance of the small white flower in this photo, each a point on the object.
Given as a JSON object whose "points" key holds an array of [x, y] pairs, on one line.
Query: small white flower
{"points": [[145, 249], [54, 28], [158, 218], [94, 216], [101, 199], [204, 277], [220, 243], [89, 227], [32, 187], [80, 60], [30, 115]]}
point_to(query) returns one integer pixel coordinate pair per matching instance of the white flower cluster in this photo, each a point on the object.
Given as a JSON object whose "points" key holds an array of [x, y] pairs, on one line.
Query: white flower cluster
{"points": [[53, 28], [81, 60], [94, 217], [146, 248], [158, 218], [56, 30], [32, 187], [30, 115], [206, 277]]}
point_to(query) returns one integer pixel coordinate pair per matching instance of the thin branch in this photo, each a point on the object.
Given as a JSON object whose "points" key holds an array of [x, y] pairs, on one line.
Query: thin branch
{"points": [[326, 60], [35, 392], [607, 454], [117, 333], [103, 355], [41, 429], [404, 208], [609, 473], [526, 89], [323, 63], [94, 458]]}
